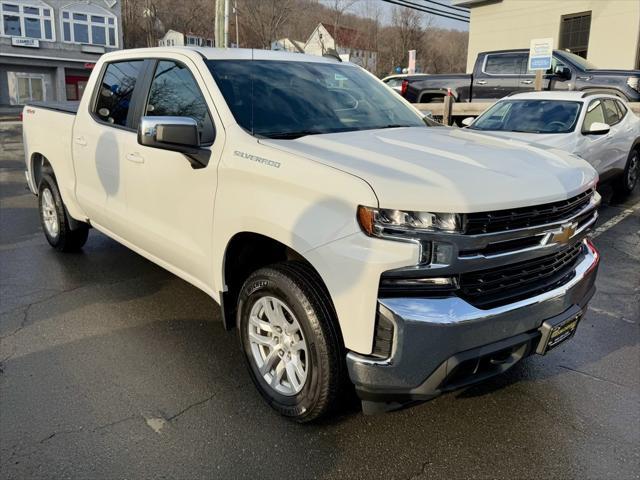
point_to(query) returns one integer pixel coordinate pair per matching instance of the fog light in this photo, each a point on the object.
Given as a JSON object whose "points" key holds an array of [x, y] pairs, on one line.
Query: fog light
{"points": [[442, 253]]}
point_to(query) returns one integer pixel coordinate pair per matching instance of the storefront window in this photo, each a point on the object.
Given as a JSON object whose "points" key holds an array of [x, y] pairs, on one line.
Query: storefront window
{"points": [[26, 20], [82, 23], [29, 87]]}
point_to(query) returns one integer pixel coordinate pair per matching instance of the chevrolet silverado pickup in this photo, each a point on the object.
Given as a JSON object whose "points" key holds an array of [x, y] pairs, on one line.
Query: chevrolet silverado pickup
{"points": [[500, 73], [343, 234]]}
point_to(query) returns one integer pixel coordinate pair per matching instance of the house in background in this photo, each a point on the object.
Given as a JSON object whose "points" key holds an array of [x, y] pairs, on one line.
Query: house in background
{"points": [[178, 39], [47, 48], [347, 42], [288, 45], [605, 32]]}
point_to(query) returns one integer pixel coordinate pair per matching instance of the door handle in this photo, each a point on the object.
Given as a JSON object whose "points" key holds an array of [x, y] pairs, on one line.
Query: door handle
{"points": [[585, 79], [81, 141], [526, 82], [481, 82], [135, 157]]}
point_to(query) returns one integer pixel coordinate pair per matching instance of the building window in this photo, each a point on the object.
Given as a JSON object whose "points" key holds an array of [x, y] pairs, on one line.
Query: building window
{"points": [[32, 19], [89, 24], [574, 33], [28, 87]]}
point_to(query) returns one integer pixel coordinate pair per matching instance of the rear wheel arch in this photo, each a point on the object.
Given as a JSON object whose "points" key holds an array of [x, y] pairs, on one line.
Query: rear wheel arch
{"points": [[40, 166]]}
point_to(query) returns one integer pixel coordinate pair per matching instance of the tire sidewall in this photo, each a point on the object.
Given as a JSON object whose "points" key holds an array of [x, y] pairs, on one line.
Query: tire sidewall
{"points": [[627, 170], [47, 183], [281, 287]]}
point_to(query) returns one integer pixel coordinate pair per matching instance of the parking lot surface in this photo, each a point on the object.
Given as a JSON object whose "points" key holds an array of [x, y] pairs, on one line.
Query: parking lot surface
{"points": [[112, 367]]}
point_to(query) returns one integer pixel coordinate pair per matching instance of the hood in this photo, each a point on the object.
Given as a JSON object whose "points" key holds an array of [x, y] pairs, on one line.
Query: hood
{"points": [[446, 169], [563, 141]]}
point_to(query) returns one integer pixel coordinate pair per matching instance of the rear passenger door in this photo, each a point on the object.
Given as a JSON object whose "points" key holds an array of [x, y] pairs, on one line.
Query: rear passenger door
{"points": [[497, 76], [99, 134], [170, 203], [619, 137], [595, 148]]}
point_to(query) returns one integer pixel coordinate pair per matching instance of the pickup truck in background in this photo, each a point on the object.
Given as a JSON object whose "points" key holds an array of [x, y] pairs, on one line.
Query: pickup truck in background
{"points": [[501, 73], [341, 232]]}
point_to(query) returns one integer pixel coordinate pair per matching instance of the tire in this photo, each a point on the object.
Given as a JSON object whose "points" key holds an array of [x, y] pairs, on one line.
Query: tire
{"points": [[305, 381], [625, 184], [55, 220]]}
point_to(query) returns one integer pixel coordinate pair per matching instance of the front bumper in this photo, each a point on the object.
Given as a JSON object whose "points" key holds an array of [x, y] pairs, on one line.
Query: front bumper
{"points": [[442, 344]]}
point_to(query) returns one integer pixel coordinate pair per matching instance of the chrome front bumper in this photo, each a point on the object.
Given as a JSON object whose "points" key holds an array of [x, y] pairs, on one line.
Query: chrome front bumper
{"points": [[433, 335]]}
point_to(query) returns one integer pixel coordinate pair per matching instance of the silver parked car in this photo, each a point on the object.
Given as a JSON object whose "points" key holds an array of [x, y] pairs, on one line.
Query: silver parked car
{"points": [[600, 128]]}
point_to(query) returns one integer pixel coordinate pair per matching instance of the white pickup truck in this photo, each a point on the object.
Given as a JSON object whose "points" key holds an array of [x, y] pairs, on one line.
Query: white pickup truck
{"points": [[343, 234]]}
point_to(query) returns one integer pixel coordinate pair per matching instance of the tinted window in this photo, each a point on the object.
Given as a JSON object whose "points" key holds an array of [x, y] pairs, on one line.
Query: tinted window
{"points": [[114, 97], [621, 108], [611, 113], [595, 113], [175, 93], [281, 99], [531, 116], [508, 63]]}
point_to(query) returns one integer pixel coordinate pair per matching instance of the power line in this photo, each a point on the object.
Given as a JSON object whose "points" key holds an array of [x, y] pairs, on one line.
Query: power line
{"points": [[420, 8], [465, 10], [430, 10]]}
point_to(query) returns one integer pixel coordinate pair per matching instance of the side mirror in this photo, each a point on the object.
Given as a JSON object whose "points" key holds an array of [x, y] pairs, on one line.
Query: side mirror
{"points": [[562, 72], [598, 128], [177, 134], [467, 121]]}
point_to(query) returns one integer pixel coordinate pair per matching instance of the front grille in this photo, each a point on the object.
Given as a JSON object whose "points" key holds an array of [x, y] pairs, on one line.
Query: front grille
{"points": [[503, 285], [502, 220]]}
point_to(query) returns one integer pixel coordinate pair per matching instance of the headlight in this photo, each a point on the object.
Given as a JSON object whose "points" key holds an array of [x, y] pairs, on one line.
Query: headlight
{"points": [[634, 82], [382, 222]]}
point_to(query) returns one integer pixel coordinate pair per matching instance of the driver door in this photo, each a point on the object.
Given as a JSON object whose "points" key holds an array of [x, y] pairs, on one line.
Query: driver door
{"points": [[170, 203]]}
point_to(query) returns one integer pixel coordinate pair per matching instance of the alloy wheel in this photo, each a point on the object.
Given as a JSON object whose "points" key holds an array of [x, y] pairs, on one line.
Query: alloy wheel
{"points": [[278, 345]]}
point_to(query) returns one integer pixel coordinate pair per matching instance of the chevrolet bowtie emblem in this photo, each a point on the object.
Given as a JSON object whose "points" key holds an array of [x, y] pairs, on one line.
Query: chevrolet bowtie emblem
{"points": [[564, 234]]}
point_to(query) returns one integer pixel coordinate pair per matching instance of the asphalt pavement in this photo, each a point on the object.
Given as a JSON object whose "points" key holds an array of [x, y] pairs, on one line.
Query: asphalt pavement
{"points": [[111, 367]]}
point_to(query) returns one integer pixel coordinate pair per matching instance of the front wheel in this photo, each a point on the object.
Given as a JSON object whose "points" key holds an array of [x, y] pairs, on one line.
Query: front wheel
{"points": [[629, 179], [54, 219], [289, 339]]}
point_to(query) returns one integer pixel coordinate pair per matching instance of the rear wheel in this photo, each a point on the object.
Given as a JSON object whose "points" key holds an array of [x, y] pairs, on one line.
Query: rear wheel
{"points": [[55, 221], [629, 179], [288, 335]]}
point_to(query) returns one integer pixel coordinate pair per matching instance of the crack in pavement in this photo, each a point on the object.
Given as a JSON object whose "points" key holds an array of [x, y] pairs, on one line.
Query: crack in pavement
{"points": [[594, 377], [21, 453], [185, 410]]}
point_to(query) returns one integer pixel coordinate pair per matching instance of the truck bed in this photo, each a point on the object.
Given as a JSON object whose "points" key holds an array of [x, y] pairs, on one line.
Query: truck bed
{"points": [[65, 107]]}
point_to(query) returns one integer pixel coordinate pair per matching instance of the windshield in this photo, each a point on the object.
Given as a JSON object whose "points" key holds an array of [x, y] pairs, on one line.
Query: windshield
{"points": [[530, 116], [287, 99], [579, 61]]}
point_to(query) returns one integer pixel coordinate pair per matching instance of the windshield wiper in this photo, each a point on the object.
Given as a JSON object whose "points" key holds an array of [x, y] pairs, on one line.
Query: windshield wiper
{"points": [[290, 135]]}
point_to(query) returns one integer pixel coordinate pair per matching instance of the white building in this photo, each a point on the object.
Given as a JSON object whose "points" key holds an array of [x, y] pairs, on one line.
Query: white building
{"points": [[347, 42], [178, 39], [48, 47], [288, 45]]}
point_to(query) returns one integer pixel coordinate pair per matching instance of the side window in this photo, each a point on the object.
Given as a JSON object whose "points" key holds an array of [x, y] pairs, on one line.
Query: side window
{"points": [[174, 92], [114, 97], [595, 113], [621, 108], [611, 113], [504, 64]]}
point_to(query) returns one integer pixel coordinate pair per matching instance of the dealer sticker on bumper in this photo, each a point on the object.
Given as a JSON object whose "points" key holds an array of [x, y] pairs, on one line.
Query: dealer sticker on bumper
{"points": [[553, 334]]}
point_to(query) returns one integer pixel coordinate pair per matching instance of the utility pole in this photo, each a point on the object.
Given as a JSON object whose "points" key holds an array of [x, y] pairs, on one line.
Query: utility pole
{"points": [[235, 11], [219, 29], [226, 23]]}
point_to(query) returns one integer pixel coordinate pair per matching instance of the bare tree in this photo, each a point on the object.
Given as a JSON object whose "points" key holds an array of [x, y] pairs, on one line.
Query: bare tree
{"points": [[262, 21]]}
